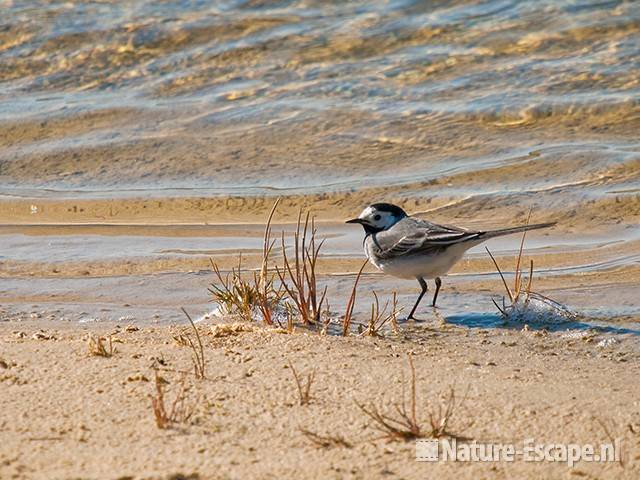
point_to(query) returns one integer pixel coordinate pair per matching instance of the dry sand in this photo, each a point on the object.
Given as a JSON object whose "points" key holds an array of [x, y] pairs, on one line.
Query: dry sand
{"points": [[67, 414]]}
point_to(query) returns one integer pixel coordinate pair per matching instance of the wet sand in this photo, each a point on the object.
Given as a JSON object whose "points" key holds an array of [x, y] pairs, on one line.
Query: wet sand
{"points": [[161, 245]]}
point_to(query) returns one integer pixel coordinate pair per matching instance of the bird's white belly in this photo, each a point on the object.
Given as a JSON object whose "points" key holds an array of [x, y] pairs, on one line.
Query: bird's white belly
{"points": [[423, 266]]}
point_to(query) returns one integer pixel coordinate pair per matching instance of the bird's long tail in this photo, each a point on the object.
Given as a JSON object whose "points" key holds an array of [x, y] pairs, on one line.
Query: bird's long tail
{"points": [[509, 231]]}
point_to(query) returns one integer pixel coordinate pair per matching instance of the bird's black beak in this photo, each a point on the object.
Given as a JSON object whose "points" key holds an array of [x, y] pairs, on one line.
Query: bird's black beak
{"points": [[356, 220]]}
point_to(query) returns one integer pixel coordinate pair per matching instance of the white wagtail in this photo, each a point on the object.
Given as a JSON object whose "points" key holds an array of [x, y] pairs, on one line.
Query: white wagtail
{"points": [[407, 247]]}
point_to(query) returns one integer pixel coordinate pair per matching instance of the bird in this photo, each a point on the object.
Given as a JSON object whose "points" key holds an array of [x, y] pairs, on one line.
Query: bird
{"points": [[407, 247]]}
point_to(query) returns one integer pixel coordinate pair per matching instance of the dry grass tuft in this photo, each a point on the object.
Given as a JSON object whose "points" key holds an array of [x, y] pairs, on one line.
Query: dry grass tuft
{"points": [[198, 359], [439, 422], [246, 298], [304, 391], [326, 441], [178, 413], [291, 318], [302, 286], [615, 441], [98, 349], [518, 284], [235, 295], [181, 340], [348, 314], [524, 303], [380, 317], [405, 424], [267, 296]]}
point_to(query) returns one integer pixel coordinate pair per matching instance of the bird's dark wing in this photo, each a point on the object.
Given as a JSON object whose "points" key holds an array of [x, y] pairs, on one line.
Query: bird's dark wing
{"points": [[411, 235]]}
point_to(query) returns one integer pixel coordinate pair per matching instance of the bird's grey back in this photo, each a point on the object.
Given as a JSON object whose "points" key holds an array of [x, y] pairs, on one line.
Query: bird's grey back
{"points": [[412, 235]]}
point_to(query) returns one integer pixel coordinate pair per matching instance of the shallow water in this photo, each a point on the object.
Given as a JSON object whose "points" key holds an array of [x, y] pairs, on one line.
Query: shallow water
{"points": [[202, 95], [152, 115]]}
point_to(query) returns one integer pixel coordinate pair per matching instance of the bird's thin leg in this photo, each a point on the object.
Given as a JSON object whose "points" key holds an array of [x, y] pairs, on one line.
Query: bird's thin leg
{"points": [[435, 295], [423, 284]]}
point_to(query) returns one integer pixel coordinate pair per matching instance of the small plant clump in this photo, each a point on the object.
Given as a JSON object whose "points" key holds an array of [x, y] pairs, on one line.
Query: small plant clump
{"points": [[525, 304], [405, 425], [181, 340], [178, 412], [326, 441], [304, 389], [381, 316], [255, 297], [298, 275], [197, 359], [268, 298], [233, 293], [288, 293], [348, 314], [97, 347]]}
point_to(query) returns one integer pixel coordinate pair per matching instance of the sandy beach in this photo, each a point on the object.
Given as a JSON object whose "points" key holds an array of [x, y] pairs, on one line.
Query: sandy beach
{"points": [[68, 414], [142, 142]]}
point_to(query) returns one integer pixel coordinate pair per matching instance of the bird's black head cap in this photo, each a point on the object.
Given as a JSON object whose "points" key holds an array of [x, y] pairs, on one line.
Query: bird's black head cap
{"points": [[395, 210], [379, 217]]}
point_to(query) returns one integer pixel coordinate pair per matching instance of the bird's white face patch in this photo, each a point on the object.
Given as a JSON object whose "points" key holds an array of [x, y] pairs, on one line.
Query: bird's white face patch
{"points": [[367, 212], [378, 219]]}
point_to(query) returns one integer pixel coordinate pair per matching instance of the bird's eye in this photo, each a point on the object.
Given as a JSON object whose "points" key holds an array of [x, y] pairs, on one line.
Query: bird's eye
{"points": [[377, 217]]}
